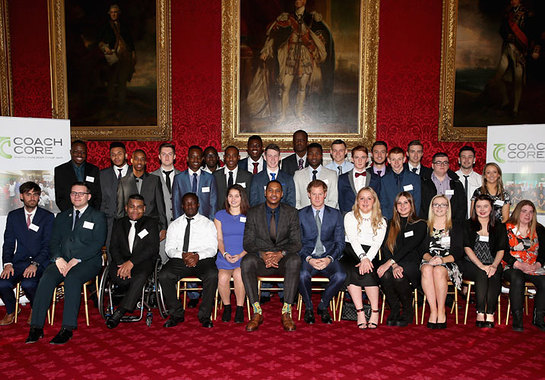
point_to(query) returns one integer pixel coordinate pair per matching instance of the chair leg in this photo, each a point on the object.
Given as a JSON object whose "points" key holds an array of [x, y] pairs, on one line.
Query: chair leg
{"points": [[216, 306], [456, 303], [467, 303], [423, 310], [248, 306], [383, 307], [299, 301], [499, 309], [508, 311], [341, 301], [17, 295], [416, 307], [86, 306], [526, 298], [332, 305]]}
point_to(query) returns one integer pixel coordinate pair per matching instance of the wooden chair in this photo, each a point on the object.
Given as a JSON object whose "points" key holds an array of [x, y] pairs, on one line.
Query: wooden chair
{"points": [[454, 306], [469, 285], [185, 289], [219, 303], [527, 286], [85, 298], [332, 304], [415, 305]]}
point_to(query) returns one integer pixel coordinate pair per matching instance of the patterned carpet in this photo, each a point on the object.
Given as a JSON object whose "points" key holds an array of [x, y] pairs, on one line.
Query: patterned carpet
{"points": [[338, 351]]}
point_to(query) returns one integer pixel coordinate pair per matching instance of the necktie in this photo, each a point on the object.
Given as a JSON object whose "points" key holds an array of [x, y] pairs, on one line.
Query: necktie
{"points": [[272, 227], [119, 174], [314, 174], [230, 180], [138, 184], [76, 217], [340, 169], [359, 174], [167, 180], [301, 163], [132, 234], [466, 185], [414, 170], [194, 184], [319, 249], [256, 164], [28, 222], [379, 172], [273, 176], [186, 235]]}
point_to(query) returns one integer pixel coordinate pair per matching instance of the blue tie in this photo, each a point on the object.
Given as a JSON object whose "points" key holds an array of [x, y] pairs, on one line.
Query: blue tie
{"points": [[194, 185], [273, 175]]}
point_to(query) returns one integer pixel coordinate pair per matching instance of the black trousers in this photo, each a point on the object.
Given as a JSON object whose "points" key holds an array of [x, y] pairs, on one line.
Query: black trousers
{"points": [[174, 270], [517, 278], [134, 285], [398, 291], [487, 289], [252, 266]]}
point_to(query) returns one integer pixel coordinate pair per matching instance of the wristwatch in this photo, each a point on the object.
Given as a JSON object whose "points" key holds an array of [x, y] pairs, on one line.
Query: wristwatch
{"points": [[225, 254]]}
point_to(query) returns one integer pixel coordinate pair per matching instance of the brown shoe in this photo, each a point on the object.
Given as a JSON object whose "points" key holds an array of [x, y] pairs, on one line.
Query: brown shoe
{"points": [[287, 322], [8, 319], [254, 323]]}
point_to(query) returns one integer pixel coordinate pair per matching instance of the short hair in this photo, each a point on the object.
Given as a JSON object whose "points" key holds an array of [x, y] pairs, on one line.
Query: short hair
{"points": [[81, 183], [255, 137], [244, 202], [359, 148], [190, 195], [78, 142], [139, 151], [28, 186], [439, 154], [396, 150], [194, 147], [273, 147], [274, 181], [379, 142], [301, 131], [137, 197], [466, 148], [212, 148], [415, 142], [315, 145], [167, 145], [338, 141], [316, 183], [118, 144], [231, 147]]}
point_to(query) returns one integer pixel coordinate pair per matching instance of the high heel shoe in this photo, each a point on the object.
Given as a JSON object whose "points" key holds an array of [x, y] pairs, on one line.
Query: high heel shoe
{"points": [[372, 325], [363, 325]]}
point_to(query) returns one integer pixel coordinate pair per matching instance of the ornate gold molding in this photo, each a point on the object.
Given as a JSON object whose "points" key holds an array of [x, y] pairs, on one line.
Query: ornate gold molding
{"points": [[447, 131], [230, 42], [59, 95], [6, 94]]}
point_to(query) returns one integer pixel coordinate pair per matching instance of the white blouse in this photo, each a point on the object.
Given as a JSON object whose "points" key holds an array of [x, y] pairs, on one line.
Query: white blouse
{"points": [[365, 234]]}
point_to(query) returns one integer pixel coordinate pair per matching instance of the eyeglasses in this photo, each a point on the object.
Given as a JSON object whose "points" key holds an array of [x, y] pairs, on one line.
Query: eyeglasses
{"points": [[77, 194], [441, 163], [440, 205]]}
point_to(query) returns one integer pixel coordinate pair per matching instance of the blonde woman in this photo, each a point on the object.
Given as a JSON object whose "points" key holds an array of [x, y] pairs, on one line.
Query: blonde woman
{"points": [[493, 187]]}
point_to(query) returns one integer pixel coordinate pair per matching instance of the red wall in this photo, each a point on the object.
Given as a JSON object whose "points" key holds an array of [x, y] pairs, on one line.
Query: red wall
{"points": [[408, 75]]}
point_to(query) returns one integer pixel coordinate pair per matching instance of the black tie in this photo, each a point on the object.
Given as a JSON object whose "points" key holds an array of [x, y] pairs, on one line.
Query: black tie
{"points": [[167, 180], [314, 174], [75, 219], [230, 180], [119, 174], [414, 170], [272, 227], [466, 185], [340, 168], [186, 235], [194, 184], [378, 172]]}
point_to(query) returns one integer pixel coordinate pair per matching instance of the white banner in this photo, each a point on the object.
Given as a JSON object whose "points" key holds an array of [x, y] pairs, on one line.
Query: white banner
{"points": [[520, 152]]}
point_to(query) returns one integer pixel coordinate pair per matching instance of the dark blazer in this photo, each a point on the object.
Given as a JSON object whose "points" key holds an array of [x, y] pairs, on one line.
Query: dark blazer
{"points": [[425, 172], [31, 245], [207, 199], [260, 181], [497, 238], [256, 231], [290, 164], [85, 242], [347, 190], [145, 249], [244, 178], [389, 188], [332, 234], [243, 164], [166, 195], [456, 234], [408, 249], [108, 186], [151, 191], [458, 201], [65, 176]]}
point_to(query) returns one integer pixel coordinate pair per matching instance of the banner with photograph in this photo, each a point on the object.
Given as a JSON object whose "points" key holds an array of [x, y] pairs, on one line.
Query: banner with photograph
{"points": [[520, 152]]}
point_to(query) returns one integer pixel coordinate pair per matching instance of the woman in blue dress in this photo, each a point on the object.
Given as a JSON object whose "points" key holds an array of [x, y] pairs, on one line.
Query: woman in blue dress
{"points": [[230, 226]]}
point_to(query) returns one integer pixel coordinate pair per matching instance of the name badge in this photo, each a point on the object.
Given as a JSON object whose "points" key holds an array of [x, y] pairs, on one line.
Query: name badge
{"points": [[90, 179], [499, 202], [242, 219], [408, 187], [88, 225], [243, 184], [142, 234], [206, 189], [483, 238], [409, 234], [33, 227], [449, 192], [445, 241]]}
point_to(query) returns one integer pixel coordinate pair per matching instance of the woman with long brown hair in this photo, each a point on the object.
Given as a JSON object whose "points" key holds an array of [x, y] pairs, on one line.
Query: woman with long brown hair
{"points": [[493, 187]]}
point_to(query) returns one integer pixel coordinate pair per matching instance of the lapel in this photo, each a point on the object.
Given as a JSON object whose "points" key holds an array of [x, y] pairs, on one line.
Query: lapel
{"points": [[312, 222], [351, 180], [367, 177], [131, 183], [79, 222]]}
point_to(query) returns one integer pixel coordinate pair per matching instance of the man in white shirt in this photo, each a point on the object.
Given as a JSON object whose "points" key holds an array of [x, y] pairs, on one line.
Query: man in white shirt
{"points": [[470, 179], [254, 163], [191, 246], [338, 153]]}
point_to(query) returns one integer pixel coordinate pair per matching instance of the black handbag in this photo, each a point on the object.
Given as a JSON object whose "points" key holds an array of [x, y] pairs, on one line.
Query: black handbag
{"points": [[350, 314]]}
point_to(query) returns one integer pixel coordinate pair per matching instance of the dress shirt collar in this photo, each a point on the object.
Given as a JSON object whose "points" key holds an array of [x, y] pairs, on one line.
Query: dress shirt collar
{"points": [[32, 214], [382, 170], [414, 167], [81, 210], [251, 161], [269, 172], [235, 171], [123, 168], [318, 170], [190, 172], [320, 210]]}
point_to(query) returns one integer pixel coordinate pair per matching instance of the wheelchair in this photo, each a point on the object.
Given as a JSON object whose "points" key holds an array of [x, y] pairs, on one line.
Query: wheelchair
{"points": [[110, 294]]}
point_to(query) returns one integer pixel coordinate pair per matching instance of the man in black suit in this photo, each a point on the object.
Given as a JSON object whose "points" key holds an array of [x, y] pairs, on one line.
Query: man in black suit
{"points": [[272, 239], [134, 248], [77, 170], [231, 174], [297, 160], [76, 254], [415, 151], [254, 163], [145, 184]]}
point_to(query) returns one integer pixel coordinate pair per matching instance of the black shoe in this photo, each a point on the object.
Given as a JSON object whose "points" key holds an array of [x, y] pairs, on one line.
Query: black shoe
{"points": [[392, 318], [62, 337], [239, 314], [35, 334], [173, 321], [479, 324], [264, 299], [441, 326], [206, 323], [431, 325], [113, 321], [405, 319], [517, 320], [226, 317], [538, 320], [488, 325], [309, 316], [324, 314], [192, 303]]}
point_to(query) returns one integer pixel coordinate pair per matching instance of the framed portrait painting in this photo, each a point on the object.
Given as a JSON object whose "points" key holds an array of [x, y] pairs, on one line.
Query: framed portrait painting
{"points": [[492, 66], [110, 67], [289, 65]]}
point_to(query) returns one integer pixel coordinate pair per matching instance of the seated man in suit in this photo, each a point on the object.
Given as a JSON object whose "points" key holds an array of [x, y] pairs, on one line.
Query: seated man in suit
{"points": [[230, 174], [272, 239], [254, 163], [77, 169], [133, 249], [322, 237], [25, 252], [339, 163], [197, 181], [297, 160], [355, 179], [76, 254], [415, 151], [191, 246], [314, 171], [147, 185], [272, 172]]}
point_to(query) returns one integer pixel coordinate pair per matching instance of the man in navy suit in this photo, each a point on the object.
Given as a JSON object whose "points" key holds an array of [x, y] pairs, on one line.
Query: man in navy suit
{"points": [[297, 160], [254, 163], [26, 248], [272, 172], [76, 254], [415, 152], [195, 180], [322, 237]]}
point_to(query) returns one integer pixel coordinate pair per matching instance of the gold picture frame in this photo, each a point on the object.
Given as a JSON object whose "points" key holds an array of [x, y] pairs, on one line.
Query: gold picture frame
{"points": [[59, 93], [6, 93], [367, 86]]}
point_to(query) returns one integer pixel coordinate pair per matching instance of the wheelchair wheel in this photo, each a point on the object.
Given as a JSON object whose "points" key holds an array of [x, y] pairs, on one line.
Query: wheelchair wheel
{"points": [[104, 305], [158, 292]]}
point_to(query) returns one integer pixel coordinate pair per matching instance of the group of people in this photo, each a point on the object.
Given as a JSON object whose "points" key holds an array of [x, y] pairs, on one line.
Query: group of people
{"points": [[397, 227]]}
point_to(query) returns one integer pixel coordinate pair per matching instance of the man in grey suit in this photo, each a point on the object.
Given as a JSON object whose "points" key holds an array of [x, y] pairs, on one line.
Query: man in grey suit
{"points": [[148, 186], [230, 174], [166, 173]]}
